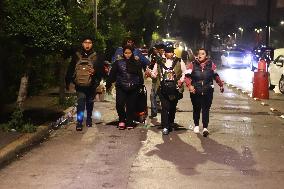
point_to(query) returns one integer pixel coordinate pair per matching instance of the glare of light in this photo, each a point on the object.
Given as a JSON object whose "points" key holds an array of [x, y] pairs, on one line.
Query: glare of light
{"points": [[235, 45], [282, 22], [231, 60], [248, 58], [168, 35], [241, 29], [229, 35]]}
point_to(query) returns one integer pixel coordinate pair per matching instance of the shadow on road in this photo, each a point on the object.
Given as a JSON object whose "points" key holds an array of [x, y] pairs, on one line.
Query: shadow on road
{"points": [[186, 157]]}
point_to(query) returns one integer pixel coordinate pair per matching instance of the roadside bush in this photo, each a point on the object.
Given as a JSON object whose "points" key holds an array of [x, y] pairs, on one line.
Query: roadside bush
{"points": [[17, 123], [68, 101]]}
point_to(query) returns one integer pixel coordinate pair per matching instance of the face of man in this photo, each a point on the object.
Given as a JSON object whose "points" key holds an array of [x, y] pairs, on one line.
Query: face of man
{"points": [[169, 55], [87, 44], [130, 42], [161, 52]]}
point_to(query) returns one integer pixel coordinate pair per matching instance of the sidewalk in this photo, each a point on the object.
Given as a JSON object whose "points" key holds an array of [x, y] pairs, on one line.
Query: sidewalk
{"points": [[42, 110]]}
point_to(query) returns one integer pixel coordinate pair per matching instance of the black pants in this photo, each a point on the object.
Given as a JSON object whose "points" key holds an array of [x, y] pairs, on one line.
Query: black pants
{"points": [[201, 102], [168, 111], [85, 100], [126, 105]]}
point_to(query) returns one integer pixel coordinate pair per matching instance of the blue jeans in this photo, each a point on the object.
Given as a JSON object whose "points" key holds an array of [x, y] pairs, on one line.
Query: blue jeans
{"points": [[85, 100], [154, 99]]}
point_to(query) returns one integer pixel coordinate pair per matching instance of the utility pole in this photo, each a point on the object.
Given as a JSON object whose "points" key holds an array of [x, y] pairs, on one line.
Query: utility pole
{"points": [[268, 13], [95, 14]]}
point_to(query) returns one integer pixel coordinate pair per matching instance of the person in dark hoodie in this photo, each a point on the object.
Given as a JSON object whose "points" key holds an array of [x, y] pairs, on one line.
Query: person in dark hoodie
{"points": [[127, 73], [199, 79], [85, 71]]}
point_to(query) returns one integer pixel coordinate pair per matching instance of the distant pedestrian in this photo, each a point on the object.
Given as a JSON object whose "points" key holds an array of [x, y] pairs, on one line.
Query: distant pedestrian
{"points": [[128, 75], [85, 71], [136, 52], [199, 79], [157, 55]]}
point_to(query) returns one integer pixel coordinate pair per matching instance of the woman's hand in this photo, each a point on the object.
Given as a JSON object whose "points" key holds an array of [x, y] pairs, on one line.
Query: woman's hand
{"points": [[191, 89], [180, 83], [221, 89]]}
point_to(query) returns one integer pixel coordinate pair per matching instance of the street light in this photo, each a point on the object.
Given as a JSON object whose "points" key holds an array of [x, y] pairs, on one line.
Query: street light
{"points": [[258, 30], [241, 30]]}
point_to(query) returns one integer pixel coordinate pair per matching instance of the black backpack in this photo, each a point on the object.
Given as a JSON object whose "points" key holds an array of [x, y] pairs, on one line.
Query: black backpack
{"points": [[169, 85]]}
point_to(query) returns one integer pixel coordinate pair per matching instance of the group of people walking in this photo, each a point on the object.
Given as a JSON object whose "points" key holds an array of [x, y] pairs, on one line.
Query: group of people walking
{"points": [[169, 75]]}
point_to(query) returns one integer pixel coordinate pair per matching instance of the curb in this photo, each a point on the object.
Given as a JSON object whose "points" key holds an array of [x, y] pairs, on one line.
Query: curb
{"points": [[11, 151], [272, 110]]}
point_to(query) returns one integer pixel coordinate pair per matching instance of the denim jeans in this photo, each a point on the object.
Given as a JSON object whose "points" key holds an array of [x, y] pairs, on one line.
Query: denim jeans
{"points": [[85, 100]]}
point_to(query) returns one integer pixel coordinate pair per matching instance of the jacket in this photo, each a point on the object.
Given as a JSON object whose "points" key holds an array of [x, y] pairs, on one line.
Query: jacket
{"points": [[124, 78], [201, 76]]}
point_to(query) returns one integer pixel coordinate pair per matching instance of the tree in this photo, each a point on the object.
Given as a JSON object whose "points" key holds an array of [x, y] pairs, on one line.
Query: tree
{"points": [[39, 26], [141, 17]]}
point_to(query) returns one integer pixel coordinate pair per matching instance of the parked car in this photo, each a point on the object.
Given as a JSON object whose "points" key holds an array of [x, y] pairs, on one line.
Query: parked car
{"points": [[276, 70], [234, 59]]}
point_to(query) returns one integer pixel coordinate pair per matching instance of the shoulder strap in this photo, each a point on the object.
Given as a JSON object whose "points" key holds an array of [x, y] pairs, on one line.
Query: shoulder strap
{"points": [[78, 54], [176, 60], [94, 54]]}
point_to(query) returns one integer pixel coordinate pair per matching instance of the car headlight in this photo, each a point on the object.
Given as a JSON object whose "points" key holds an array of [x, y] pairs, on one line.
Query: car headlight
{"points": [[231, 60]]}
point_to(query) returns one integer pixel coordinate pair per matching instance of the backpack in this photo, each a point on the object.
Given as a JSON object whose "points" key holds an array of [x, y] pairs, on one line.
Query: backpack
{"points": [[169, 85], [82, 76]]}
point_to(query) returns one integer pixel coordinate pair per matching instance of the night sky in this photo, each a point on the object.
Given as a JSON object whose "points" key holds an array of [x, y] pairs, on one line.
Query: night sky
{"points": [[243, 12]]}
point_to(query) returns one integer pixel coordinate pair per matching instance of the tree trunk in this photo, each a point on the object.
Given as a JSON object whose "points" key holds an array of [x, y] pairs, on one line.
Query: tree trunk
{"points": [[23, 90], [62, 70]]}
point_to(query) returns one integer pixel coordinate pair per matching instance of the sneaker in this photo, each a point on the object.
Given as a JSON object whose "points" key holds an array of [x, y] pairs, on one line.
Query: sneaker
{"points": [[196, 129], [79, 127], [130, 127], [121, 125], [205, 132], [165, 131]]}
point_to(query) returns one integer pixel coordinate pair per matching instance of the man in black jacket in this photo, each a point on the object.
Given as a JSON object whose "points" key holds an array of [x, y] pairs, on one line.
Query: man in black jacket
{"points": [[85, 92]]}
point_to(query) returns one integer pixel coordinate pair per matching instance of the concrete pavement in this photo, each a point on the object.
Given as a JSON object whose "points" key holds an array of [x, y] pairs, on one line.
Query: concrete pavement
{"points": [[244, 149]]}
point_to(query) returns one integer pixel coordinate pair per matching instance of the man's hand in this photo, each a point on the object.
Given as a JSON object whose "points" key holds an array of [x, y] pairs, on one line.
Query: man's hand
{"points": [[148, 72], [91, 71], [67, 87]]}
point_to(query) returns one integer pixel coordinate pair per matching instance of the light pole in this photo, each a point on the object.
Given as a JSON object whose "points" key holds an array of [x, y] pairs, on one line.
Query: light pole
{"points": [[268, 13], [241, 30]]}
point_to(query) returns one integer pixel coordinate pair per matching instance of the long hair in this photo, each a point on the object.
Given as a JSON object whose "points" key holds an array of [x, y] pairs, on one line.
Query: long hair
{"points": [[129, 48]]}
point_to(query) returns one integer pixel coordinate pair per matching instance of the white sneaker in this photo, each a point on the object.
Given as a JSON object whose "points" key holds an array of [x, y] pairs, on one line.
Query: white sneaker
{"points": [[196, 129], [205, 132]]}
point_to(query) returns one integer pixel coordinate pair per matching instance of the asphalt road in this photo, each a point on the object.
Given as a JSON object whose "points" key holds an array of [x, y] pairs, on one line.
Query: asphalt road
{"points": [[244, 150], [242, 78]]}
